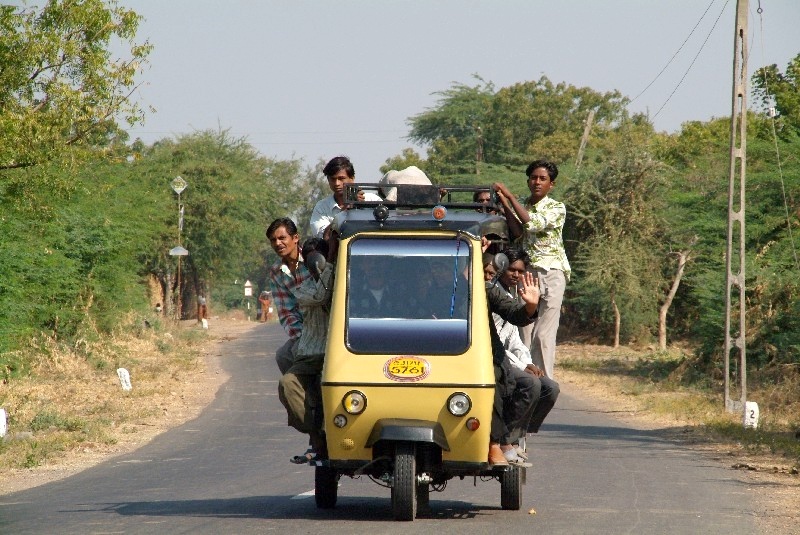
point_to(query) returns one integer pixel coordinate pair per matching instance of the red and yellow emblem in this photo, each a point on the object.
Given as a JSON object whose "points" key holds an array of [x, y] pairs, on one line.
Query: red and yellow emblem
{"points": [[406, 369]]}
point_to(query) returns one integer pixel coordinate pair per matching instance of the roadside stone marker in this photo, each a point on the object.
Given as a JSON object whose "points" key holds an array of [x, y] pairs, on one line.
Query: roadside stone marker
{"points": [[3, 426], [751, 415], [124, 378]]}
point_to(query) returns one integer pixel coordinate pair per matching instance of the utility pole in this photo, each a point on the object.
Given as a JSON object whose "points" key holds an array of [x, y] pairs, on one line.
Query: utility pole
{"points": [[178, 185], [584, 138], [736, 219], [479, 151]]}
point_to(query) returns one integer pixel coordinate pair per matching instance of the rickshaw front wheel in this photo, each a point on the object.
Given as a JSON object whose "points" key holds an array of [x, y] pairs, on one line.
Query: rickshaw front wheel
{"points": [[404, 486], [326, 487]]}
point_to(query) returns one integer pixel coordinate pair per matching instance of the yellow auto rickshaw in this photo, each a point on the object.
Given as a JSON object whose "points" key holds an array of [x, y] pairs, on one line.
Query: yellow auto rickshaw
{"points": [[408, 382]]}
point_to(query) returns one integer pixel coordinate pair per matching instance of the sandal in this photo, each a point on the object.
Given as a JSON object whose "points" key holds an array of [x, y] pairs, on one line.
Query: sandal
{"points": [[307, 457]]}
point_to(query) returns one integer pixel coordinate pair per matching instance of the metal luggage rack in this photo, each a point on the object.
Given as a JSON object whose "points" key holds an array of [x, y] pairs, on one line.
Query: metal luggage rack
{"points": [[411, 196]]}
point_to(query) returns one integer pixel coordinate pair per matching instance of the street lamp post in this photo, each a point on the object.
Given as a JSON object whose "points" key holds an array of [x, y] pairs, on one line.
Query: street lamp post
{"points": [[248, 293], [178, 185]]}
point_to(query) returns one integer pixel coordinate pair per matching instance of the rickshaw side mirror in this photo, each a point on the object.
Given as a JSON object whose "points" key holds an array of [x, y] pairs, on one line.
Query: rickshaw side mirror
{"points": [[316, 263], [500, 262]]}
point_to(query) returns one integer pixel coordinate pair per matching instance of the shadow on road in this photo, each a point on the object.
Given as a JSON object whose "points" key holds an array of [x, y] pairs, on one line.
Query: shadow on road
{"points": [[637, 437], [283, 507]]}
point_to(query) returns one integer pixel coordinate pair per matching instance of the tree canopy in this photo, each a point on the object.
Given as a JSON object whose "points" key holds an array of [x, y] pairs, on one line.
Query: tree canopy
{"points": [[638, 200], [61, 90], [87, 221], [510, 126], [781, 90]]}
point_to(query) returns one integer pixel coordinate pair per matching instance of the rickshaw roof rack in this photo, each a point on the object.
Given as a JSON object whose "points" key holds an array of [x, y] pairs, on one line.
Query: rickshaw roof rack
{"points": [[412, 196], [414, 211]]}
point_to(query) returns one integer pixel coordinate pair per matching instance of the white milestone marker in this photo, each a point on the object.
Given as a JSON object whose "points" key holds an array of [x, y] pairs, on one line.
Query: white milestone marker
{"points": [[3, 426], [751, 415], [124, 378]]}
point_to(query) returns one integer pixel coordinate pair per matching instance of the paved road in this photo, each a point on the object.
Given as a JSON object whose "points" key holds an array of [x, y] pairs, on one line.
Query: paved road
{"points": [[227, 472]]}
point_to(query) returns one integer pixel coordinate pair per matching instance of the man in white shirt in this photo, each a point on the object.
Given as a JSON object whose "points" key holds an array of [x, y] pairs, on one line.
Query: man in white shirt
{"points": [[547, 390], [339, 171]]}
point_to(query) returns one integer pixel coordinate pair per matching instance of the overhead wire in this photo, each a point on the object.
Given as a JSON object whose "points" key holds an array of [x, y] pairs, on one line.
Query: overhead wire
{"points": [[693, 60], [251, 141], [676, 52], [775, 139]]}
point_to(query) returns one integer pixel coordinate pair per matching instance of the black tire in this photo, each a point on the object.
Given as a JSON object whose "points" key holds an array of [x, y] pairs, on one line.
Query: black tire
{"points": [[326, 487], [404, 488], [511, 489]]}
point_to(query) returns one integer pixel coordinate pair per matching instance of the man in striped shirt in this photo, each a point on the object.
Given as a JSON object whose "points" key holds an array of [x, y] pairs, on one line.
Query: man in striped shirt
{"points": [[299, 388], [285, 276]]}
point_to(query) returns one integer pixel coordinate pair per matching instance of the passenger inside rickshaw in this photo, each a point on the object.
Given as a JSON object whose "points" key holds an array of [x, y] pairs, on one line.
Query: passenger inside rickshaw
{"points": [[426, 309]]}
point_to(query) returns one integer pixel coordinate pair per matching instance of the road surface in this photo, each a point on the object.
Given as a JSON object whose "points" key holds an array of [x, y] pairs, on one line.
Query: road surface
{"points": [[228, 472]]}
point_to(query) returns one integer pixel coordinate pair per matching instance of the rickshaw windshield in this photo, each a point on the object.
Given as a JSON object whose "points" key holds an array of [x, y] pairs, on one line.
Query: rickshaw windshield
{"points": [[408, 296]]}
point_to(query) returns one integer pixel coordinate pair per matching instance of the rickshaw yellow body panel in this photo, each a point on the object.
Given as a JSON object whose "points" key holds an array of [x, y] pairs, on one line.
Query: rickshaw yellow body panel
{"points": [[396, 390]]}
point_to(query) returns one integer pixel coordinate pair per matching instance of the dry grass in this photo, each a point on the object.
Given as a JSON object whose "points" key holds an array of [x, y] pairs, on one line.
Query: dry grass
{"points": [[72, 400], [659, 388]]}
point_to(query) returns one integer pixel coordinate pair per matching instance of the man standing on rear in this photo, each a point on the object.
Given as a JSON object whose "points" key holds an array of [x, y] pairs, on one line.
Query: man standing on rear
{"points": [[540, 224]]}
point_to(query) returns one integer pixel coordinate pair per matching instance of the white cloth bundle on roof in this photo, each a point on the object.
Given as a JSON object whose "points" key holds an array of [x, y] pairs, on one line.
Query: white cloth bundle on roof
{"points": [[410, 175]]}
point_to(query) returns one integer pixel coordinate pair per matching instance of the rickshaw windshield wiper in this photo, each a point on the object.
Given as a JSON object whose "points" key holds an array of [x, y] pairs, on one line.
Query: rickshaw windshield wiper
{"points": [[455, 277]]}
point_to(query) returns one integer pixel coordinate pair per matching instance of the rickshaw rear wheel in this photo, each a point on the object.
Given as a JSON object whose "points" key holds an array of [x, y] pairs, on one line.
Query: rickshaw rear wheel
{"points": [[404, 487], [326, 487], [511, 489]]}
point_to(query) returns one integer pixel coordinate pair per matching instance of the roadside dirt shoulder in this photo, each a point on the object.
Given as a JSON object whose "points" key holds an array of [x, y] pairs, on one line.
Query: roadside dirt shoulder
{"points": [[768, 477], [186, 400]]}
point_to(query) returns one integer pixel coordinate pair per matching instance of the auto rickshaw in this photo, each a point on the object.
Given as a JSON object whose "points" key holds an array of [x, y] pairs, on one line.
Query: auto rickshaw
{"points": [[408, 383]]}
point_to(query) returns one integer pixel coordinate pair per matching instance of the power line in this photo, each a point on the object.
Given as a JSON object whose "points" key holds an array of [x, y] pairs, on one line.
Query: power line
{"points": [[775, 140], [277, 132], [693, 60], [676, 53], [335, 142]]}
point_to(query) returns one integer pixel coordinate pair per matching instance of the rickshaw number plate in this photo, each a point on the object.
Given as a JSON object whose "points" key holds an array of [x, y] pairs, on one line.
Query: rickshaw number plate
{"points": [[406, 369]]}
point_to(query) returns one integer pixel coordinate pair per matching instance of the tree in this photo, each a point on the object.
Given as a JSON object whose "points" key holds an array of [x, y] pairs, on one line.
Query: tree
{"points": [[615, 234], [452, 129], [308, 185], [61, 91], [683, 258], [405, 159], [474, 126], [622, 274], [528, 112], [781, 90], [233, 195]]}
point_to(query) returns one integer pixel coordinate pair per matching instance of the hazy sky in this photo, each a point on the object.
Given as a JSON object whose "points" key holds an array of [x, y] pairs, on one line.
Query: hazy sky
{"points": [[315, 79]]}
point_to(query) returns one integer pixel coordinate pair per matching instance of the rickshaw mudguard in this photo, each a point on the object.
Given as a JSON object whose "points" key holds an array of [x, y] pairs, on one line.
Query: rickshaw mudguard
{"points": [[407, 430]]}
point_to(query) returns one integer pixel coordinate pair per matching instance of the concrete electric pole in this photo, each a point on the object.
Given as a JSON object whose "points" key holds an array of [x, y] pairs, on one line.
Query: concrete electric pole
{"points": [[736, 219]]}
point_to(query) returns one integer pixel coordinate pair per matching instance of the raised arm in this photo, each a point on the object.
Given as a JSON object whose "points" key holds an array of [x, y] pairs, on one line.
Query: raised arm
{"points": [[516, 215]]}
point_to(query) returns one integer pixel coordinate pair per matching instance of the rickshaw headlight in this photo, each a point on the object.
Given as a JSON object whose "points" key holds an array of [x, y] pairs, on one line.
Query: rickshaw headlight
{"points": [[354, 402], [459, 404]]}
